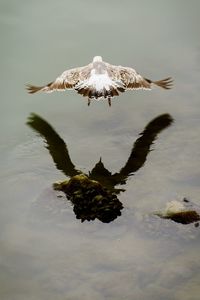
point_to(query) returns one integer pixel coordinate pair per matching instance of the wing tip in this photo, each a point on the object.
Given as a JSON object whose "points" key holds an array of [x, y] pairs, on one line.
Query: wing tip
{"points": [[32, 89], [166, 83]]}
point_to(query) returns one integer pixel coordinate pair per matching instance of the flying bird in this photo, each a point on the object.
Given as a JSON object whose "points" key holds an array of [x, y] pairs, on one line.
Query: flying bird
{"points": [[100, 80]]}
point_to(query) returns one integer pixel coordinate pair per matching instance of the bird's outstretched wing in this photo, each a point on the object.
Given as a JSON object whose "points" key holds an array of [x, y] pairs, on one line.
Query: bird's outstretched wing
{"points": [[67, 80], [134, 81]]}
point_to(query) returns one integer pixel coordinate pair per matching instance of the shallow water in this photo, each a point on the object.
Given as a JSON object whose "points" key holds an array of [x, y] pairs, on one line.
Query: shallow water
{"points": [[45, 252]]}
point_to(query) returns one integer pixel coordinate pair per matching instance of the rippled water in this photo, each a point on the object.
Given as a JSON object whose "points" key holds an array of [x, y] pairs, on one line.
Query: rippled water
{"points": [[45, 252]]}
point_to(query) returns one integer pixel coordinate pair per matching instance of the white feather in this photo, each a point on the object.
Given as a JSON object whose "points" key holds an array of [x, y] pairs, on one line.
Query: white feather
{"points": [[99, 81]]}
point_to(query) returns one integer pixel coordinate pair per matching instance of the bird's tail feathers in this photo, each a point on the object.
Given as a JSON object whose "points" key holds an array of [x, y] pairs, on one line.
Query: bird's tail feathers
{"points": [[105, 93]]}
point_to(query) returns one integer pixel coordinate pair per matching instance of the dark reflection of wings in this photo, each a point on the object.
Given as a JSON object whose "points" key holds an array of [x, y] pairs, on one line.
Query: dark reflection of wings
{"points": [[55, 145], [141, 148], [138, 155]]}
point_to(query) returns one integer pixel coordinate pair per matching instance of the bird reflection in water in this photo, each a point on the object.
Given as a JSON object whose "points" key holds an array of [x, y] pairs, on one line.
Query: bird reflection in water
{"points": [[94, 195]]}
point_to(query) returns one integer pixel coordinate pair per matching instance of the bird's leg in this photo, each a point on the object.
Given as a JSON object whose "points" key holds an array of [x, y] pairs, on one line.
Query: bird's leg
{"points": [[109, 101], [89, 101]]}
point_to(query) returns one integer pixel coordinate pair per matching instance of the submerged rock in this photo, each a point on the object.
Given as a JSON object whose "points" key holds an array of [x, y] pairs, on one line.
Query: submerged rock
{"points": [[90, 199], [181, 212]]}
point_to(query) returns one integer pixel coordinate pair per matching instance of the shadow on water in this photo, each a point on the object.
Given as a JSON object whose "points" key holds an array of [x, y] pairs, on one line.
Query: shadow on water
{"points": [[94, 195]]}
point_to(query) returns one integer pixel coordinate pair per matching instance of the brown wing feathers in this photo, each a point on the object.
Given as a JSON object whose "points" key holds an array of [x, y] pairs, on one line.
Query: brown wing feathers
{"points": [[164, 83], [32, 89], [54, 85], [142, 84], [132, 80]]}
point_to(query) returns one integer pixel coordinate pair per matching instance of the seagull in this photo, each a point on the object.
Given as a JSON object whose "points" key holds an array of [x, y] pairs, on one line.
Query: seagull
{"points": [[100, 80]]}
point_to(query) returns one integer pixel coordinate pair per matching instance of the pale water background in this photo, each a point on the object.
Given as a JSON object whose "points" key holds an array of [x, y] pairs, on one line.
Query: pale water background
{"points": [[45, 253]]}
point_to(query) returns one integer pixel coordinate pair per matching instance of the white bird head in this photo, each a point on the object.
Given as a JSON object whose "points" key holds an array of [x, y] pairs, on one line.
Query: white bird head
{"points": [[97, 59]]}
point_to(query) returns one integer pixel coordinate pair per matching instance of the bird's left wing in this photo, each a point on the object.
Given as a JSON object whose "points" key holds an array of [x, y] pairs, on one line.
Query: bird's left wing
{"points": [[128, 77], [67, 80], [134, 81]]}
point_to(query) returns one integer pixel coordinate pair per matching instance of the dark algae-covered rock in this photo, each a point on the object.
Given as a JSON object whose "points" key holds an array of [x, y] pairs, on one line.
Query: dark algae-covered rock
{"points": [[95, 195], [90, 199]]}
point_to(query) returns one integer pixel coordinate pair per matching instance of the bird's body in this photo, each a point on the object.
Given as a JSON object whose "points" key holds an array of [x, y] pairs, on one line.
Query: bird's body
{"points": [[100, 80]]}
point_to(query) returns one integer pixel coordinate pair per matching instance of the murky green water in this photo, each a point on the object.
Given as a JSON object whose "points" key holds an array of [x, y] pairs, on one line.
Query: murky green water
{"points": [[45, 252]]}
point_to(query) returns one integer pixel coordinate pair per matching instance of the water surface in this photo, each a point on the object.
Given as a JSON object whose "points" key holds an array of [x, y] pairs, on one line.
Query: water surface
{"points": [[45, 252]]}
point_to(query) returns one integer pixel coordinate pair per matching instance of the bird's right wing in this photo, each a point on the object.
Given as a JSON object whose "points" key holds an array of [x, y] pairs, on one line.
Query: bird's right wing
{"points": [[67, 80]]}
